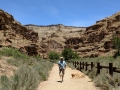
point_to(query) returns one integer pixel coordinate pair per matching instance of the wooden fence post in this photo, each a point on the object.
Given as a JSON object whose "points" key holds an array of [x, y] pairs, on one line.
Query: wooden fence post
{"points": [[85, 66], [98, 68], [80, 66], [75, 64], [92, 65], [111, 69]]}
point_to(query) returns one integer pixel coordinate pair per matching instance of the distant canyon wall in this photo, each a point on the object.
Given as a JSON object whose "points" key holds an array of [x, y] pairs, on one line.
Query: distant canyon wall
{"points": [[46, 31]]}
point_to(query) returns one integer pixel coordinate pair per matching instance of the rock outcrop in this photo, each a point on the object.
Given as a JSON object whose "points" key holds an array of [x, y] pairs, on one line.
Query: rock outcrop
{"points": [[98, 39], [13, 34]]}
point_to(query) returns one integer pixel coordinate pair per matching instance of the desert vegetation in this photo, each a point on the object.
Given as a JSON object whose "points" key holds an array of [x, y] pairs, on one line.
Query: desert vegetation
{"points": [[67, 53], [29, 73]]}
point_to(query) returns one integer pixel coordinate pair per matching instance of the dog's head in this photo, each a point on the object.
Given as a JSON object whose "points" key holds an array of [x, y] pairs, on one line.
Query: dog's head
{"points": [[73, 75]]}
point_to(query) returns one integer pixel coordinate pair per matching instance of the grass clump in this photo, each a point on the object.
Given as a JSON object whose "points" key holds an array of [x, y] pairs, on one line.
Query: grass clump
{"points": [[26, 78], [70, 65], [13, 52], [4, 83]]}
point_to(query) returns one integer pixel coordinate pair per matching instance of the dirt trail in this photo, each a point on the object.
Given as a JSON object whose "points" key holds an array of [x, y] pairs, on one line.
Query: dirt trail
{"points": [[54, 83]]}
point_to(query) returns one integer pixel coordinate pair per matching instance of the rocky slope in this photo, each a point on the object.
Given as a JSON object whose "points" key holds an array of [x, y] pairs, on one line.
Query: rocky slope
{"points": [[13, 34], [98, 38]]}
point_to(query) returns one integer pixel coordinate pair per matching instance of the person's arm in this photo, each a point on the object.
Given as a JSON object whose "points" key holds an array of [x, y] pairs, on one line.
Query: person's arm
{"points": [[65, 65], [59, 63]]}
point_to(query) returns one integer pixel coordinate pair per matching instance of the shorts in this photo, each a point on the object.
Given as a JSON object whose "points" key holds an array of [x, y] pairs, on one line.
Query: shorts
{"points": [[61, 71]]}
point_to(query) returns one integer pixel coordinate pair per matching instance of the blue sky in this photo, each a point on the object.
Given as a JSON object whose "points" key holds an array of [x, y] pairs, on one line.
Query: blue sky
{"points": [[81, 13]]}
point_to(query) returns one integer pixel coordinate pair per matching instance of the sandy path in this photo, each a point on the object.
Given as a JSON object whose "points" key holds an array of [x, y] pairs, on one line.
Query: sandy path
{"points": [[68, 83]]}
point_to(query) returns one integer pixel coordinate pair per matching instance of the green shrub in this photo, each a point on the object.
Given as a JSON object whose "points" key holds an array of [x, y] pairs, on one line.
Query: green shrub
{"points": [[116, 45], [68, 54], [116, 42], [53, 55]]}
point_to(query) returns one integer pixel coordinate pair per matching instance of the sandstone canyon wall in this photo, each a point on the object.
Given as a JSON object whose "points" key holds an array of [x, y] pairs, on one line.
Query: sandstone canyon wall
{"points": [[92, 41]]}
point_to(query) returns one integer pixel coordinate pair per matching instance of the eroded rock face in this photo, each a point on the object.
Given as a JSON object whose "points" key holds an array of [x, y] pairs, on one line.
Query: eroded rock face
{"points": [[30, 50], [97, 39], [108, 44], [13, 34], [57, 37], [73, 41], [11, 27]]}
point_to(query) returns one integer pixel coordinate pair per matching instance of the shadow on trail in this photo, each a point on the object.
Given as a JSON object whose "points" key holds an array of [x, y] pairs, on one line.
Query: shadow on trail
{"points": [[59, 81]]}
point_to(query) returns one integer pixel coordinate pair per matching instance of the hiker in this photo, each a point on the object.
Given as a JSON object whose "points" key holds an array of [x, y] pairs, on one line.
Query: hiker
{"points": [[62, 66]]}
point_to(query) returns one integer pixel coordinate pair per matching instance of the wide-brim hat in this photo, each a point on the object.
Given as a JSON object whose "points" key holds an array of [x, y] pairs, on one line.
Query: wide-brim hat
{"points": [[61, 57]]}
